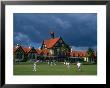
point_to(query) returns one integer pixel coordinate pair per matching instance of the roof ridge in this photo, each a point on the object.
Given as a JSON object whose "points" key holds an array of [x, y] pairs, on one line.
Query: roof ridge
{"points": [[51, 38]]}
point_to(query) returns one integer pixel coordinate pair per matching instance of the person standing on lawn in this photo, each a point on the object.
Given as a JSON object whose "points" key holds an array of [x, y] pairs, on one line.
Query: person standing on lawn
{"points": [[54, 62], [68, 65], [34, 66], [79, 65]]}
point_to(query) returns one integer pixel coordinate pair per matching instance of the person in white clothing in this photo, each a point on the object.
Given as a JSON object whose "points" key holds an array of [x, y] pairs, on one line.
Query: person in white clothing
{"points": [[68, 65], [64, 63], [54, 62], [48, 62], [78, 65], [34, 66]]}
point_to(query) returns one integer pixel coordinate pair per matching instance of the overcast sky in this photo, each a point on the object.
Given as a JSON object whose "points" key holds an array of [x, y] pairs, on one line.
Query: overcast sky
{"points": [[79, 30]]}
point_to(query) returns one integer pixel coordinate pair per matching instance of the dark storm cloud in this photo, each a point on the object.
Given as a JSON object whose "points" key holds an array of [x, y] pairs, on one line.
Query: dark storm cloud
{"points": [[76, 29]]}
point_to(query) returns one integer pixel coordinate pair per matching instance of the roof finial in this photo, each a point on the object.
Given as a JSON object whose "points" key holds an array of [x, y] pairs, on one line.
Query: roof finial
{"points": [[71, 49], [17, 45]]}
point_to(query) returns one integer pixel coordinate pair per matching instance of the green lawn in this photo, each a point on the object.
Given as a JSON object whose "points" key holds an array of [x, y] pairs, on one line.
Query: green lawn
{"points": [[59, 69]]}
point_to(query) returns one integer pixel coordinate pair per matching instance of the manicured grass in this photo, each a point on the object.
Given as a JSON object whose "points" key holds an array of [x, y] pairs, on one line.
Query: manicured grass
{"points": [[59, 69]]}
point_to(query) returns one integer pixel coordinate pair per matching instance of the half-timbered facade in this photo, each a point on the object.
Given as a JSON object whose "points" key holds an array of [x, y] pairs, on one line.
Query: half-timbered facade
{"points": [[21, 53], [56, 46], [53, 48]]}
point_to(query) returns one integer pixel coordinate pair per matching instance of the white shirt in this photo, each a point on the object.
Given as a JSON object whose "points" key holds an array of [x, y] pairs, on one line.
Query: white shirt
{"points": [[68, 63], [34, 64], [78, 64]]}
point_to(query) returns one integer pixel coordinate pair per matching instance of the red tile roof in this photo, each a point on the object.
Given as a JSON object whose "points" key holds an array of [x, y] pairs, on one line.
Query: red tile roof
{"points": [[46, 51], [50, 42], [38, 51], [15, 48], [26, 49], [78, 53], [43, 51]]}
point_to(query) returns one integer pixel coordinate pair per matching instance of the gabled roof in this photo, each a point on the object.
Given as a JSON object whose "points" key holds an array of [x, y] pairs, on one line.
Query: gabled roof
{"points": [[43, 51], [15, 48], [26, 49], [38, 51], [51, 42]]}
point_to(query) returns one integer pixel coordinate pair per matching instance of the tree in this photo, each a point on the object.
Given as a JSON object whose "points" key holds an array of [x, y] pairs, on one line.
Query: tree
{"points": [[64, 48], [90, 54], [64, 51]]}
